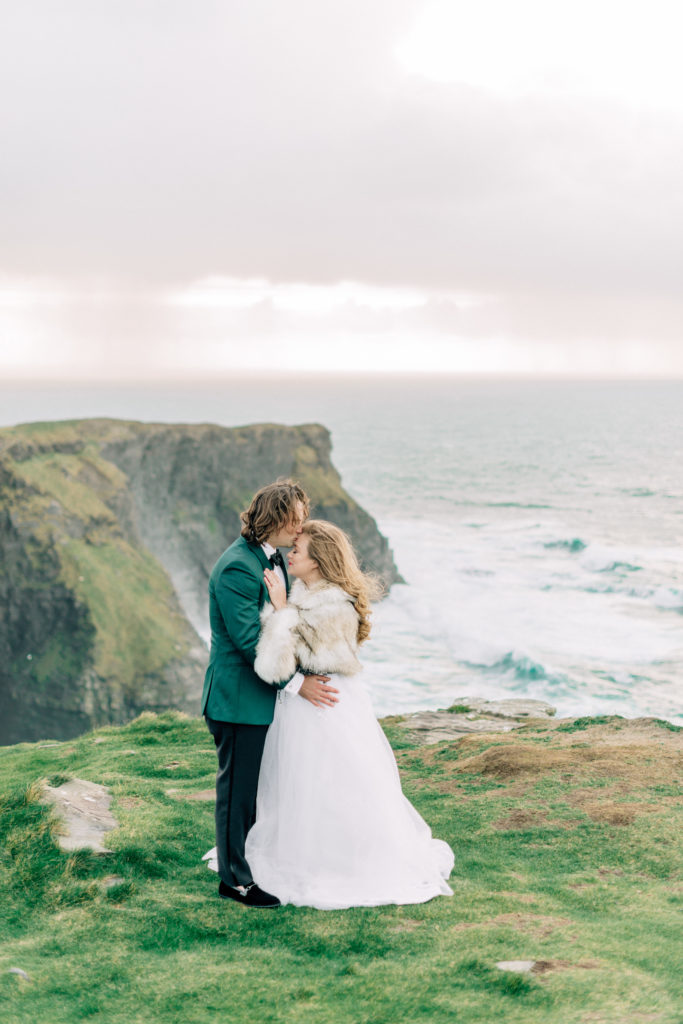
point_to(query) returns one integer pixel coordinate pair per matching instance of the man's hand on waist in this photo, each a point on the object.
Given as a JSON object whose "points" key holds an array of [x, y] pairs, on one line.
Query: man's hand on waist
{"points": [[318, 692]]}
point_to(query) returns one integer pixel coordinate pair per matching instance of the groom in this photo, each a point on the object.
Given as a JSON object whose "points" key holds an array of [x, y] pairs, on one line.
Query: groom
{"points": [[237, 704]]}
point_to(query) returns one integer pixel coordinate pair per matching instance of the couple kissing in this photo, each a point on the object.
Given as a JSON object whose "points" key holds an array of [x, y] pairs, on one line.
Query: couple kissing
{"points": [[309, 806]]}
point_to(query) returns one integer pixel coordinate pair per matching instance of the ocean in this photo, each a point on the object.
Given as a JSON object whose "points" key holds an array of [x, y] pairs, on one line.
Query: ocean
{"points": [[537, 524]]}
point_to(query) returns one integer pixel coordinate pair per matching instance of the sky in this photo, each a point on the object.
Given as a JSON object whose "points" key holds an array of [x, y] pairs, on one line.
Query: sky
{"points": [[200, 188]]}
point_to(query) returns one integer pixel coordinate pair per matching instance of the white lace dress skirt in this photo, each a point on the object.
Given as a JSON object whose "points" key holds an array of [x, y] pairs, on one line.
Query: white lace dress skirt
{"points": [[333, 828]]}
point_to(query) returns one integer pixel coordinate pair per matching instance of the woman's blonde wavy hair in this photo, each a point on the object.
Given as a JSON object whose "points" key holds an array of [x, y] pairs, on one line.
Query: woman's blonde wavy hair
{"points": [[333, 553]]}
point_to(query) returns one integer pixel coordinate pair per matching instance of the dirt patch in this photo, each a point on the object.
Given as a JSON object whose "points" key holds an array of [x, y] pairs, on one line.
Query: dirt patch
{"points": [[452, 789], [618, 732], [520, 897], [539, 926], [616, 814], [198, 794], [543, 966], [405, 926], [128, 802], [521, 818], [604, 808], [636, 749], [642, 764]]}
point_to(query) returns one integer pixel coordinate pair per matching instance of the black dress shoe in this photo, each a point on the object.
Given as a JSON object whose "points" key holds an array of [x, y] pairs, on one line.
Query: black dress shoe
{"points": [[250, 895]]}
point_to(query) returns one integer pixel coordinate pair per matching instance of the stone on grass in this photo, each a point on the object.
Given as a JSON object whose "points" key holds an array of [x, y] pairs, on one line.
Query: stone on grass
{"points": [[478, 716], [518, 966], [20, 974], [511, 707], [83, 809], [443, 725], [111, 880]]}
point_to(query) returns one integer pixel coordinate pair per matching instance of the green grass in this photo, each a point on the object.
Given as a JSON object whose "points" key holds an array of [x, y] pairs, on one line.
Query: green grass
{"points": [[536, 877], [322, 484], [581, 724], [133, 608], [134, 626]]}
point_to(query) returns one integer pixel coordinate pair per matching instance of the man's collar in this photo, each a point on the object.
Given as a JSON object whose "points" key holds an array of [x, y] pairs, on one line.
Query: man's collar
{"points": [[268, 548]]}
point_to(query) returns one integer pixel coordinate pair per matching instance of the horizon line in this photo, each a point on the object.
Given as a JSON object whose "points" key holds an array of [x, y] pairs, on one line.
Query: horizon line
{"points": [[436, 375]]}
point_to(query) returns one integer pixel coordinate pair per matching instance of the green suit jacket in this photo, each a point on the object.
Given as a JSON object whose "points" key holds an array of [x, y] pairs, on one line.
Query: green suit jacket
{"points": [[237, 592]]}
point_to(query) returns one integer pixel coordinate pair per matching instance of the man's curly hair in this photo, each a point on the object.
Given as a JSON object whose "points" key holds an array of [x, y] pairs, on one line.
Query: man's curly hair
{"points": [[271, 508]]}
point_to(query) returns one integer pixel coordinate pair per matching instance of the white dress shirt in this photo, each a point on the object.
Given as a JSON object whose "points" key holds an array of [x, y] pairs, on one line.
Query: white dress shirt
{"points": [[294, 684]]}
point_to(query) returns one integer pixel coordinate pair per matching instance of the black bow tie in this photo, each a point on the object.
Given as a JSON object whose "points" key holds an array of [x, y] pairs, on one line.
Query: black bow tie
{"points": [[277, 559]]}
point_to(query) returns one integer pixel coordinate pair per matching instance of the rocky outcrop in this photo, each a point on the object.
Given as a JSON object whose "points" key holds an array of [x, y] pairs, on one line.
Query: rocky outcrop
{"points": [[82, 808], [468, 715], [108, 531]]}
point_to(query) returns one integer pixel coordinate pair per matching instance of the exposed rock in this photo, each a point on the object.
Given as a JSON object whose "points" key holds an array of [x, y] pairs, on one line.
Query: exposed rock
{"points": [[19, 973], [437, 726], [190, 483], [511, 707], [83, 810], [518, 966], [474, 715], [543, 966], [111, 881], [108, 532]]}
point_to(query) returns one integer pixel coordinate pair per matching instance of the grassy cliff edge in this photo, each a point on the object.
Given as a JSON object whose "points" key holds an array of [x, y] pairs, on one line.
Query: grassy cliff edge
{"points": [[566, 854]]}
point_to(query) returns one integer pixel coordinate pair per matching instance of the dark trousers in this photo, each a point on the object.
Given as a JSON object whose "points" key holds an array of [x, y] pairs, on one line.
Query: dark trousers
{"points": [[239, 748]]}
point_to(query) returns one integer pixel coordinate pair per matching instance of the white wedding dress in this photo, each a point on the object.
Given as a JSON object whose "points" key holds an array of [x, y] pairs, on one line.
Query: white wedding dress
{"points": [[333, 828]]}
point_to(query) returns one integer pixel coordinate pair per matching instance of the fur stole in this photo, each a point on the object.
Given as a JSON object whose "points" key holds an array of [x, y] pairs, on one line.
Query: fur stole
{"points": [[316, 632]]}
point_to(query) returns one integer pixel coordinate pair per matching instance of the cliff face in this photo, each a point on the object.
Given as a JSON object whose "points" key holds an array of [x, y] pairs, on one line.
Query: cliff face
{"points": [[108, 532]]}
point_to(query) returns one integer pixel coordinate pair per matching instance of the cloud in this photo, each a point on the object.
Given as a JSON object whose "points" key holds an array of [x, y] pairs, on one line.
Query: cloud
{"points": [[628, 51], [222, 325], [284, 147], [165, 142]]}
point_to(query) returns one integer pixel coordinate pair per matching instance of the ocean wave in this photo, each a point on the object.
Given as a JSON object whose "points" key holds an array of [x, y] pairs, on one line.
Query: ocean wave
{"points": [[666, 598], [643, 593], [669, 598], [514, 504], [638, 492], [573, 546], [519, 667], [597, 558], [476, 503]]}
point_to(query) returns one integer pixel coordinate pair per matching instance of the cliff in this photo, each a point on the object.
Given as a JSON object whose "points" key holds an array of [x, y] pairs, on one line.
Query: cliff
{"points": [[108, 531]]}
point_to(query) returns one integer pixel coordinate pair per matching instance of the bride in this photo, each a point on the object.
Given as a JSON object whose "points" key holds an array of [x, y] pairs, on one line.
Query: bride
{"points": [[333, 828]]}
